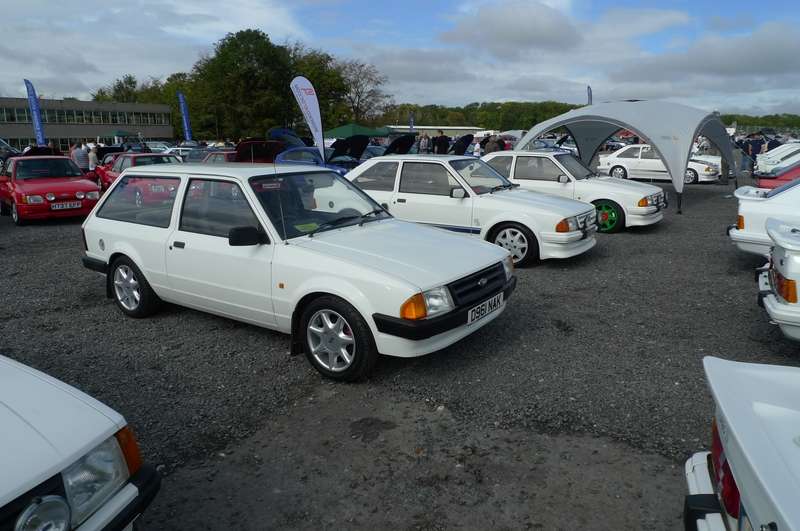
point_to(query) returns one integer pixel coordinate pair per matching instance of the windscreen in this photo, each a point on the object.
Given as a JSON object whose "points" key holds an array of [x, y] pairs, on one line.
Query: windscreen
{"points": [[481, 177], [46, 168], [574, 166]]}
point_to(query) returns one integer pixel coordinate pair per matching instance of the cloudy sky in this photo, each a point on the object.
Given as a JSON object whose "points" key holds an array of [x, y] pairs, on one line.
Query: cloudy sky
{"points": [[437, 51]]}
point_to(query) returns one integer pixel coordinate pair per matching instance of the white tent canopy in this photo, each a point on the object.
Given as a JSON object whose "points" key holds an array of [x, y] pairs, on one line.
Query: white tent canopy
{"points": [[670, 129]]}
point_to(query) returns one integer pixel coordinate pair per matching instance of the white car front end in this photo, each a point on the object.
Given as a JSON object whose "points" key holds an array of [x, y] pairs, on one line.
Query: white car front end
{"points": [[67, 460], [643, 204]]}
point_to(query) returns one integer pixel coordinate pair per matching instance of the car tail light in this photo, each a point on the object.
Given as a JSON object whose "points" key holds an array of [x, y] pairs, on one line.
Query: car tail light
{"points": [[740, 222], [726, 484], [130, 449], [414, 308], [787, 288], [83, 237]]}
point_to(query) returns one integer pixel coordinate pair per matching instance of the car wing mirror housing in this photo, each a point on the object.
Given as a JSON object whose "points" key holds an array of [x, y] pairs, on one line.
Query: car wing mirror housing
{"points": [[457, 193], [245, 236], [563, 179]]}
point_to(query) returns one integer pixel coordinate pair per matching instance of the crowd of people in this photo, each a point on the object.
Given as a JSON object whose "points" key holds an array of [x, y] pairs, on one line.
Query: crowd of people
{"points": [[441, 144]]}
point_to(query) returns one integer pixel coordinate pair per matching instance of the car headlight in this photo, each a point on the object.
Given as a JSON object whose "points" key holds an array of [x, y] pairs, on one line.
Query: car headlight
{"points": [[709, 169], [93, 195], [33, 199], [79, 195], [427, 304], [508, 267], [567, 224], [91, 480], [48, 512]]}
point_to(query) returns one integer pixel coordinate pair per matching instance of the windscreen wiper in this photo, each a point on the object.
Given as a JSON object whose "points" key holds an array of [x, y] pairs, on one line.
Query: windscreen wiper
{"points": [[332, 223], [370, 213], [494, 189]]}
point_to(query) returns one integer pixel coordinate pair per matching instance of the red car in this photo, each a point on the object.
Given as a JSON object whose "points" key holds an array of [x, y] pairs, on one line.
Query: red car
{"points": [[45, 187], [769, 180], [126, 160]]}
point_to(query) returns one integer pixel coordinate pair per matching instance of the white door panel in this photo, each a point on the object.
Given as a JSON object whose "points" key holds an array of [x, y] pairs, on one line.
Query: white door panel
{"points": [[541, 174], [424, 196]]}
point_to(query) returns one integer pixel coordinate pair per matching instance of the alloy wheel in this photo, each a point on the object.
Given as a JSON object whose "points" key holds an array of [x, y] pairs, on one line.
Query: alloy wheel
{"points": [[619, 172], [514, 241], [14, 213], [126, 288], [607, 217], [331, 340]]}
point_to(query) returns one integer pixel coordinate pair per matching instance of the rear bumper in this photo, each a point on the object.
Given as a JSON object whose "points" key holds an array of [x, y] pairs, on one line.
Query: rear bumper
{"points": [[127, 504], [701, 508], [785, 315], [427, 328], [750, 242]]}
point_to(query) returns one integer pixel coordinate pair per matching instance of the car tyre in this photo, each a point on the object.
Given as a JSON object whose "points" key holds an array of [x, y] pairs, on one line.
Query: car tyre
{"points": [[130, 289], [690, 177], [337, 340], [5, 210], [610, 216], [619, 172], [519, 240], [18, 221]]}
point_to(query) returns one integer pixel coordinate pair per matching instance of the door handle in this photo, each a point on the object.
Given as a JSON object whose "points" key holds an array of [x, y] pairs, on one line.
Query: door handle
{"points": [[401, 200], [179, 245]]}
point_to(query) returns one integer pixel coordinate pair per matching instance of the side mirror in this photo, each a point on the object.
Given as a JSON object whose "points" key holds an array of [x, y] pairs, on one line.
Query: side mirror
{"points": [[457, 193], [245, 236], [563, 179]]}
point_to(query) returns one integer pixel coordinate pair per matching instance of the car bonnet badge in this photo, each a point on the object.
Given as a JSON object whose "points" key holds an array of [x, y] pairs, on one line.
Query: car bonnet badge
{"points": [[482, 282]]}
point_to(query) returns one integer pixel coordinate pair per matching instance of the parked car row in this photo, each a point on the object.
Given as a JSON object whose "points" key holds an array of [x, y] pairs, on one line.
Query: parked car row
{"points": [[640, 161]]}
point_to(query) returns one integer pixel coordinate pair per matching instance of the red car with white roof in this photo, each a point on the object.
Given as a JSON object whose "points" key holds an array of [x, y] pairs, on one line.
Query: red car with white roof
{"points": [[127, 160], [45, 187]]}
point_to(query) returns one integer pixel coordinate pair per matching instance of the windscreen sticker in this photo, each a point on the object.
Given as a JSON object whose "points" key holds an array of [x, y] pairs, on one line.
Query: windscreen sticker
{"points": [[306, 227]]}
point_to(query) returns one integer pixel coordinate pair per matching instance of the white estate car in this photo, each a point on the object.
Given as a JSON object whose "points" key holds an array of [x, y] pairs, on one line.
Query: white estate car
{"points": [[464, 194], [620, 203], [749, 233], [640, 161], [67, 461], [777, 281], [751, 477], [297, 249]]}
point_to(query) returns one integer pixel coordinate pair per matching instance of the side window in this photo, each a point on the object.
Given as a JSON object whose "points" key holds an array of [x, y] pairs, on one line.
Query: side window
{"points": [[117, 167], [142, 200], [649, 153], [536, 169], [379, 177], [215, 207], [426, 178], [501, 165], [9, 170], [630, 153]]}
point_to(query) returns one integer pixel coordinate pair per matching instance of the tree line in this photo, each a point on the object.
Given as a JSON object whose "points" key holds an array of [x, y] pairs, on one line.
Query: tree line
{"points": [[242, 89]]}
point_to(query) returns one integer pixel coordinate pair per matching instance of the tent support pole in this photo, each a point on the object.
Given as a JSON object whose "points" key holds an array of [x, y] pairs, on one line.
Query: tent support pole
{"points": [[680, 197]]}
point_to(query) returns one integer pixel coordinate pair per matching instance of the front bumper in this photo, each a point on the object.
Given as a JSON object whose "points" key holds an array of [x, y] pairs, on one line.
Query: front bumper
{"points": [[44, 211], [750, 242], [701, 508], [126, 505], [785, 315], [426, 328], [566, 244]]}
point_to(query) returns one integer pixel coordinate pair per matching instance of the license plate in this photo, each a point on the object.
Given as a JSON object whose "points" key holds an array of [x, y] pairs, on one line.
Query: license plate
{"points": [[66, 205], [485, 308]]}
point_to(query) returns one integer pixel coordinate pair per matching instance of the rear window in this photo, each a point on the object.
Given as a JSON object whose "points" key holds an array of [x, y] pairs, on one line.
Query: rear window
{"points": [[142, 200], [42, 168], [146, 161], [783, 188]]}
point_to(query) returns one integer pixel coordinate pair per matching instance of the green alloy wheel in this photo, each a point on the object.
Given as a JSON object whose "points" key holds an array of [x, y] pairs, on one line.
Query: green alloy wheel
{"points": [[610, 217]]}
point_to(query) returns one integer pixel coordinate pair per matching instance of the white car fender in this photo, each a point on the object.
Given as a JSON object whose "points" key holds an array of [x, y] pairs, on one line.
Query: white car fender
{"points": [[510, 217]]}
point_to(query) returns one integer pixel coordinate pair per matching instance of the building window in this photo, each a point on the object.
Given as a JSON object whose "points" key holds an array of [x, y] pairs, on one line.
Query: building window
{"points": [[79, 118], [114, 117], [123, 117], [61, 116], [70, 116], [22, 115]]}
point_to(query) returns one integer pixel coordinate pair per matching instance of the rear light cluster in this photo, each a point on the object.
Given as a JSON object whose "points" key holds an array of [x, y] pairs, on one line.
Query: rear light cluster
{"points": [[786, 288], [726, 484]]}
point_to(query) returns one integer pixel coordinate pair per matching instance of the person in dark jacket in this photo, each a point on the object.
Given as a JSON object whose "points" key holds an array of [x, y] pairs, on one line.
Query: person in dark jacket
{"points": [[441, 144]]}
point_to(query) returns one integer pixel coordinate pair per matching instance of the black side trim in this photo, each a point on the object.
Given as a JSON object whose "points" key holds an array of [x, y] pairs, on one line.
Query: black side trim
{"points": [[423, 329], [148, 481], [95, 265], [697, 506]]}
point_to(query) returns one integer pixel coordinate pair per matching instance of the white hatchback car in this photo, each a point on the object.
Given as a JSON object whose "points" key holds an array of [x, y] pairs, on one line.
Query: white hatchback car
{"points": [[297, 249], [749, 233], [749, 480], [464, 194], [620, 203], [777, 281], [67, 461], [640, 161]]}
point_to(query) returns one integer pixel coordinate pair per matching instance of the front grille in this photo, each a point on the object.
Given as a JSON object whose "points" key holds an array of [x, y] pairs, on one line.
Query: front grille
{"points": [[587, 219], [468, 290], [11, 511]]}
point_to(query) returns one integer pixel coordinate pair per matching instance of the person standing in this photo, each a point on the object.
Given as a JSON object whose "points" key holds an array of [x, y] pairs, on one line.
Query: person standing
{"points": [[423, 143], [93, 161], [81, 157], [476, 149], [441, 144]]}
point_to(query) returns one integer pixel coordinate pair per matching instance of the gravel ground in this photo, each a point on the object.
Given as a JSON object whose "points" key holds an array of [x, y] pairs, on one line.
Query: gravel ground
{"points": [[607, 345]]}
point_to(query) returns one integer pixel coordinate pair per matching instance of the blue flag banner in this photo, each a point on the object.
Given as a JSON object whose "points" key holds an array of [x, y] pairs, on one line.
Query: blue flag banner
{"points": [[187, 126], [589, 94], [36, 114]]}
